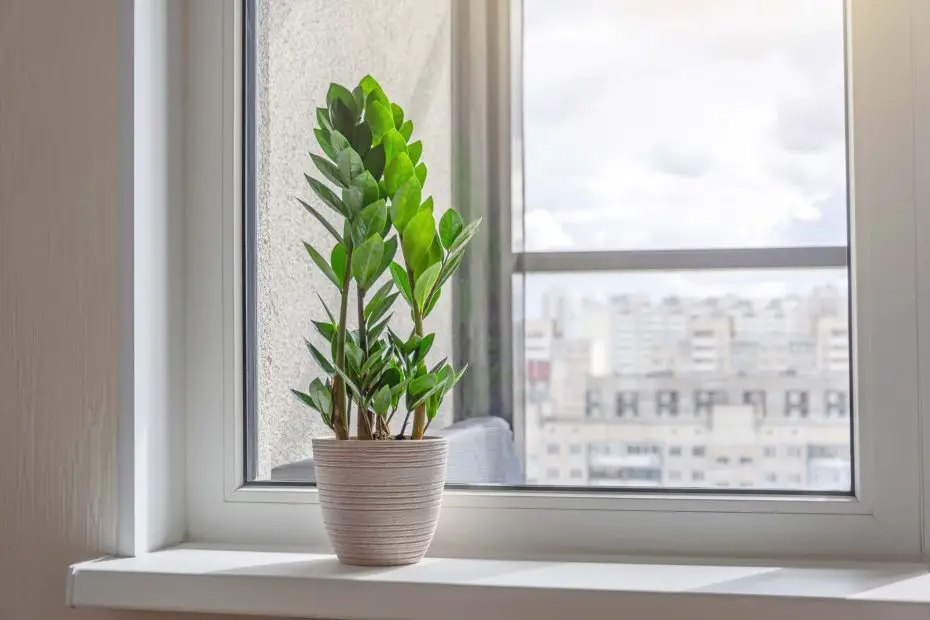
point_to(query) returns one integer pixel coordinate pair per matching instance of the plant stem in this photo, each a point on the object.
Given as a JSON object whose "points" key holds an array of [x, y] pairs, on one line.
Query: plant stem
{"points": [[419, 415], [363, 424], [340, 411]]}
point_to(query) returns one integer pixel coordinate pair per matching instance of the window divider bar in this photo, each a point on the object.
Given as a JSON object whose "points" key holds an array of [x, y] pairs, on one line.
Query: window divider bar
{"points": [[683, 260]]}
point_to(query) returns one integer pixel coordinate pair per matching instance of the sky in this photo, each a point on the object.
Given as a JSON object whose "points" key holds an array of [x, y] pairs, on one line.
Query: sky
{"points": [[660, 124]]}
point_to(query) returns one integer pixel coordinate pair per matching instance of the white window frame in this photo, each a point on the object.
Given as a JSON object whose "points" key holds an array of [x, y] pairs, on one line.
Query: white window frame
{"points": [[890, 136]]}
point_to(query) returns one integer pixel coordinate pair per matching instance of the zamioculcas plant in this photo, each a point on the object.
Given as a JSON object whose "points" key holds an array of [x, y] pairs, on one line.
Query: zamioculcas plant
{"points": [[374, 205]]}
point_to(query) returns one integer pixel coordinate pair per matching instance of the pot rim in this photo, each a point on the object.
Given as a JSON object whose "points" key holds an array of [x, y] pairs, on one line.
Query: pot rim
{"points": [[354, 441]]}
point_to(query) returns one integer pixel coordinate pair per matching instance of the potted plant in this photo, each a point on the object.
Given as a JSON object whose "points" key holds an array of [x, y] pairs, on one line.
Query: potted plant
{"points": [[380, 490]]}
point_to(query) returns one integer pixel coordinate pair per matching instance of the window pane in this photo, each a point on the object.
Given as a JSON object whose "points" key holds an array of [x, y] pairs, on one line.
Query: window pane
{"points": [[741, 378], [666, 124], [302, 46]]}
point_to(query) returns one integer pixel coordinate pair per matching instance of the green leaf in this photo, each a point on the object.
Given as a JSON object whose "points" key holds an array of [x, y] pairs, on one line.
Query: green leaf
{"points": [[340, 93], [439, 387], [326, 309], [422, 348], [399, 170], [390, 248], [462, 240], [368, 84], [421, 385], [359, 95], [349, 382], [379, 118], [431, 302], [405, 203], [389, 378], [305, 398], [327, 330], [399, 274], [329, 170], [322, 220], [448, 269], [323, 138], [377, 299], [327, 196], [415, 150], [381, 401], [421, 173], [369, 221], [398, 113], [339, 143], [450, 226], [342, 117], [323, 265], [427, 205], [406, 130], [361, 138], [394, 145], [377, 94], [374, 161], [366, 259], [350, 166], [375, 331], [363, 190], [353, 354], [417, 238], [322, 118], [338, 259], [324, 363], [424, 285], [372, 367]]}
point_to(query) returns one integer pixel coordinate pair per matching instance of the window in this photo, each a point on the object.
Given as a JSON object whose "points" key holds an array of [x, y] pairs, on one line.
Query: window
{"points": [[627, 404], [667, 402], [835, 403], [769, 452], [756, 400], [575, 449], [797, 403], [553, 448], [793, 452], [674, 451], [745, 460], [576, 474], [626, 295], [704, 401], [698, 451]]}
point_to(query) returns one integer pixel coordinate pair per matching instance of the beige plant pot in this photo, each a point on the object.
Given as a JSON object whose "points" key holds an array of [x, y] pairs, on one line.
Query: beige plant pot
{"points": [[380, 499]]}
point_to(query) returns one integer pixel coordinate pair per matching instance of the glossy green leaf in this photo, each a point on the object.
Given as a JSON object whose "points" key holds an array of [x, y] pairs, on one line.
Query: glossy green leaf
{"points": [[399, 274], [322, 220], [431, 302], [323, 265], [418, 237], [377, 95], [359, 96], [398, 113], [406, 130], [329, 314], [379, 118], [327, 196], [362, 191], [450, 226], [370, 220], [421, 385], [394, 145], [421, 173], [353, 354], [350, 384], [342, 118], [339, 143], [427, 205], [462, 239], [424, 285], [324, 139], [377, 299], [338, 260], [350, 166], [327, 330], [390, 248], [405, 203], [381, 401], [338, 92], [361, 139], [374, 161], [422, 348], [324, 363], [368, 84], [322, 119], [398, 170], [328, 168], [415, 151], [365, 260], [376, 330]]}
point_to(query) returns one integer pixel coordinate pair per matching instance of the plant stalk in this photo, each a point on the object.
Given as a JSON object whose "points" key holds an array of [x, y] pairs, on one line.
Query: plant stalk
{"points": [[363, 424], [340, 411], [419, 414]]}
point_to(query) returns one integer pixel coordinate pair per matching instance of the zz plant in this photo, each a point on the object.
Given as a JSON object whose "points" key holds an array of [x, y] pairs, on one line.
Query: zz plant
{"points": [[375, 206]]}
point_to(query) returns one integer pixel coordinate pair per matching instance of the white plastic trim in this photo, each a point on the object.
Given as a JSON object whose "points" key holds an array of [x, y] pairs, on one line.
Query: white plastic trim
{"points": [[298, 585]]}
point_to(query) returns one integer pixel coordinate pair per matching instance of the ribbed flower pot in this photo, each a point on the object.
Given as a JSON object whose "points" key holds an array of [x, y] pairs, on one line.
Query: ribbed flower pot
{"points": [[380, 499]]}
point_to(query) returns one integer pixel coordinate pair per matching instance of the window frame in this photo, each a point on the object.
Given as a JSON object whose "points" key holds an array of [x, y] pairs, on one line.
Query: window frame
{"points": [[882, 520]]}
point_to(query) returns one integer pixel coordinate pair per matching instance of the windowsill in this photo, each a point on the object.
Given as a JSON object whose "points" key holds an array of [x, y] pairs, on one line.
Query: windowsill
{"points": [[284, 584]]}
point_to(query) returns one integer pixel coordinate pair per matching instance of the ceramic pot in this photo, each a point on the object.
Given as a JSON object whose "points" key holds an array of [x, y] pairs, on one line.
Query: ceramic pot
{"points": [[380, 499]]}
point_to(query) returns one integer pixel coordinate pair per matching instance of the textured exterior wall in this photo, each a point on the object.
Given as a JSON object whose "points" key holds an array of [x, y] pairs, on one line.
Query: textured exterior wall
{"points": [[303, 46]]}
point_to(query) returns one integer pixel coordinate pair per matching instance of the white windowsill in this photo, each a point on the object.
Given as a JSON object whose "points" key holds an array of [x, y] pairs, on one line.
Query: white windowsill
{"points": [[300, 585]]}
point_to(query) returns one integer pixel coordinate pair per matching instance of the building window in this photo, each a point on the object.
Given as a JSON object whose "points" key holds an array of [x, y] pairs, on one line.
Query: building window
{"points": [[723, 460], [593, 404], [627, 404], [835, 403], [797, 402], [697, 475], [552, 474], [704, 401], [745, 460], [553, 448], [771, 477], [769, 452], [667, 402], [674, 451], [698, 451], [756, 400], [575, 449], [793, 452]]}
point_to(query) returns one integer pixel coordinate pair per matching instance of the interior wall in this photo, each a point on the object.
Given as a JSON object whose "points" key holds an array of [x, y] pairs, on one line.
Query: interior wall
{"points": [[58, 202]]}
